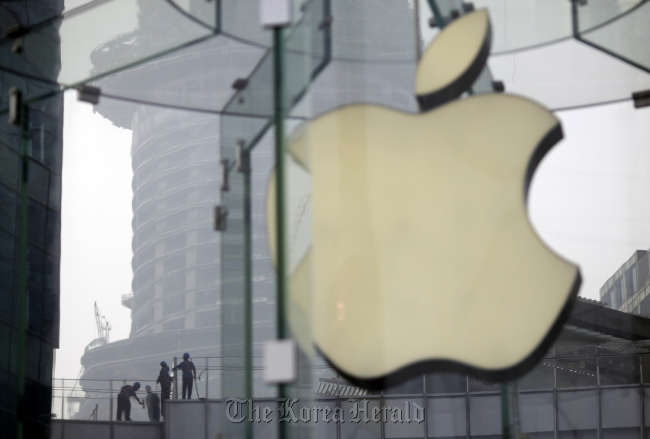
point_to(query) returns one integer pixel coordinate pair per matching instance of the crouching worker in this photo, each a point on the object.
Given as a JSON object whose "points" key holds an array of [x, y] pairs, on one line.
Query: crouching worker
{"points": [[153, 405], [123, 402]]}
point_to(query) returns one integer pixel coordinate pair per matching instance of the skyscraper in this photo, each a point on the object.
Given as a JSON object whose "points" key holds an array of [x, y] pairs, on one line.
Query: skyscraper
{"points": [[629, 288], [30, 219]]}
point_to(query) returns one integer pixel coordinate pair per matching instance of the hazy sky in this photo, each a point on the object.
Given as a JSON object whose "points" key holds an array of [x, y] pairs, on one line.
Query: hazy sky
{"points": [[96, 230], [589, 201]]}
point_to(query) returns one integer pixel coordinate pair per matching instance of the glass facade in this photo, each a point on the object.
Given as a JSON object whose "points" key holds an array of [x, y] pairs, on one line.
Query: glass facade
{"points": [[30, 222], [629, 288], [228, 205]]}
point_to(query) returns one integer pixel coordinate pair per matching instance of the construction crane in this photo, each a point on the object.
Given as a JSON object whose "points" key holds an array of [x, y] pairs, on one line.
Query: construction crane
{"points": [[103, 328]]}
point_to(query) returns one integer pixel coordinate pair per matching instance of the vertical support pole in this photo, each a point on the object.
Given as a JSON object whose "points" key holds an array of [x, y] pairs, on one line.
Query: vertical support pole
{"points": [[62, 399], [205, 418], [599, 432], [556, 418], [425, 402], [175, 380], [515, 422], [416, 36], [278, 118], [643, 420], [468, 415], [245, 161], [218, 17], [505, 411], [22, 272], [574, 19], [207, 376], [110, 405]]}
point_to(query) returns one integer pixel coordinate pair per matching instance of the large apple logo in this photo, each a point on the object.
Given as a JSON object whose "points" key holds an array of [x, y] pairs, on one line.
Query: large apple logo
{"points": [[422, 256]]}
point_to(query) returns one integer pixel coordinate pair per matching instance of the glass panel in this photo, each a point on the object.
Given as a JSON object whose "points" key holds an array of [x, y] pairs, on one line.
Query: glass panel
{"points": [[446, 383], [516, 24], [578, 75], [247, 274], [106, 36], [619, 370], [577, 413], [615, 27], [403, 418], [576, 372], [348, 82], [238, 21], [236, 274], [263, 272], [360, 32], [412, 386], [621, 409], [208, 68], [541, 377], [357, 411], [600, 13], [447, 417], [307, 52], [485, 415], [479, 385], [536, 412], [201, 11]]}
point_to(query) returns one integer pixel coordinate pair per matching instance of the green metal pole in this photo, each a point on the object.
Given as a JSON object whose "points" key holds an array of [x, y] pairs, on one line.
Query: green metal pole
{"points": [[278, 116], [22, 276], [505, 411], [437, 15], [280, 178], [248, 287]]}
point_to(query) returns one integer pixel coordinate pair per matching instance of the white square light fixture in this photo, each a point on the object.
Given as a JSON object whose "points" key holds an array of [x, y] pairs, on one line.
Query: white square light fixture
{"points": [[275, 13], [280, 362]]}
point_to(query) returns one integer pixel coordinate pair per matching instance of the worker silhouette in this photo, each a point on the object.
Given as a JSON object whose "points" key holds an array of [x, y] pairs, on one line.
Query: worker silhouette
{"points": [[188, 369], [165, 382], [123, 402], [153, 405]]}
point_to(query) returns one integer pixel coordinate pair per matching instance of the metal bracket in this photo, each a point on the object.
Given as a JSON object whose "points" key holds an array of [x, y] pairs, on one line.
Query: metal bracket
{"points": [[88, 93], [240, 84], [641, 99], [220, 218], [326, 22], [225, 187], [17, 32], [15, 106], [17, 46], [468, 7], [243, 162], [498, 86]]}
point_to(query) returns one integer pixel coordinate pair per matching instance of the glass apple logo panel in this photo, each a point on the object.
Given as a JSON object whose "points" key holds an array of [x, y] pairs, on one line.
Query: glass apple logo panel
{"points": [[422, 256]]}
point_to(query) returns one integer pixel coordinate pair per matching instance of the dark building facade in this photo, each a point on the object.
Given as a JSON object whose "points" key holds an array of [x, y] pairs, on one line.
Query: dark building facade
{"points": [[29, 224], [629, 288]]}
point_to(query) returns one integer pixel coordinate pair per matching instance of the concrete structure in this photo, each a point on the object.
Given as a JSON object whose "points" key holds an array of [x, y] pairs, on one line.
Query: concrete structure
{"points": [[593, 383], [629, 288]]}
